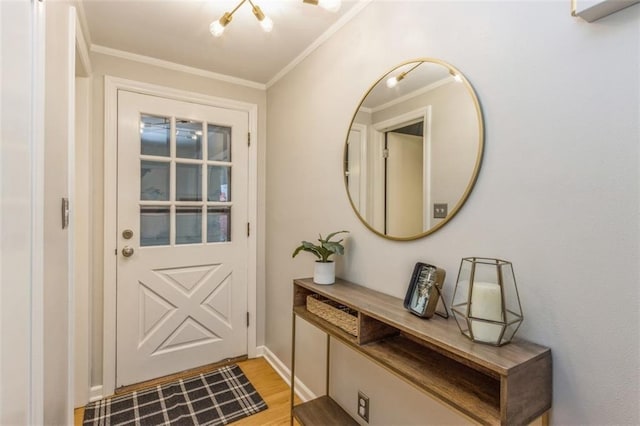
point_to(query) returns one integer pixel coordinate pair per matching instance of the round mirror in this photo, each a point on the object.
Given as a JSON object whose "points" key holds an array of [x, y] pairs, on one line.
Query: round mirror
{"points": [[414, 149]]}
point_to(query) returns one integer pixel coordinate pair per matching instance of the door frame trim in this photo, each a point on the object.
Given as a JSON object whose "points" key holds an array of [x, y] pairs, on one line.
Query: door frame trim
{"points": [[111, 87]]}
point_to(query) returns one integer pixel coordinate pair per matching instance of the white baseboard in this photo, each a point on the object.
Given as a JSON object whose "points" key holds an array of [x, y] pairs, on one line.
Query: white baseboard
{"points": [[95, 393], [303, 392]]}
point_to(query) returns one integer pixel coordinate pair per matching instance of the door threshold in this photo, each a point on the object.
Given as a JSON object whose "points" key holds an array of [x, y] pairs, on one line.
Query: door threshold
{"points": [[180, 375]]}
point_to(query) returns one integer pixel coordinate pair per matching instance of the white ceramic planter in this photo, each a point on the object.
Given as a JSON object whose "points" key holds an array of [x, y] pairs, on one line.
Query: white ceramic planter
{"points": [[324, 273]]}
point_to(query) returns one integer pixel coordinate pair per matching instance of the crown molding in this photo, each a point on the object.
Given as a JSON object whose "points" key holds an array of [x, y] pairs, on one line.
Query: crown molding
{"points": [[413, 94], [344, 19], [82, 49], [175, 66], [82, 17], [355, 10]]}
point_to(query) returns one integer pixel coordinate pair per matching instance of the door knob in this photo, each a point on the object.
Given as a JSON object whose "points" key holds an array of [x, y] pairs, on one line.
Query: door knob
{"points": [[127, 251]]}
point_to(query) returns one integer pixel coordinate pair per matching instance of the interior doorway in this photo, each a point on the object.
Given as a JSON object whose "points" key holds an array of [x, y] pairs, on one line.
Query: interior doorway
{"points": [[405, 180]]}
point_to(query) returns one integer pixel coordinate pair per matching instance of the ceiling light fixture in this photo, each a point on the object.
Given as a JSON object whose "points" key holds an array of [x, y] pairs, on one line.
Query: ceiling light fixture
{"points": [[217, 27], [393, 81], [330, 5]]}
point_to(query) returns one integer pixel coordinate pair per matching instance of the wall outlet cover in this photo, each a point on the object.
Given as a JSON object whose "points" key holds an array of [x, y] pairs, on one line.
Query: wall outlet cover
{"points": [[363, 406]]}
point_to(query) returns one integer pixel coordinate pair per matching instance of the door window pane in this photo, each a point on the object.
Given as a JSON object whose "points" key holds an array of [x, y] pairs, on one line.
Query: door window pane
{"points": [[188, 139], [218, 143], [154, 226], [155, 135], [154, 180], [188, 225], [219, 183], [188, 182], [218, 224]]}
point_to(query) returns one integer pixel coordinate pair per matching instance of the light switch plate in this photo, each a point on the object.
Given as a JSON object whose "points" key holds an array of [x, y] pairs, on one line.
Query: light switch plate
{"points": [[440, 210]]}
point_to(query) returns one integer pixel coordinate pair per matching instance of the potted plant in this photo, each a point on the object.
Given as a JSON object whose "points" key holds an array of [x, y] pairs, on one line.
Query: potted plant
{"points": [[325, 269]]}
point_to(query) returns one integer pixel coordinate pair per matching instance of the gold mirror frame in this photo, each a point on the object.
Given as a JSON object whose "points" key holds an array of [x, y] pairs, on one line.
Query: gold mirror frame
{"points": [[479, 152]]}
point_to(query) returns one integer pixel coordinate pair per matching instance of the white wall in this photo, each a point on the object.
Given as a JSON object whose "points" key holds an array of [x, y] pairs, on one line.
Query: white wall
{"points": [[109, 65], [82, 215], [20, 218], [558, 192], [59, 75]]}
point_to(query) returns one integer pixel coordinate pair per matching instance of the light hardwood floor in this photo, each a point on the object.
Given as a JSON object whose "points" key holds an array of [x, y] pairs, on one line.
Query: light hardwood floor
{"points": [[269, 385]]}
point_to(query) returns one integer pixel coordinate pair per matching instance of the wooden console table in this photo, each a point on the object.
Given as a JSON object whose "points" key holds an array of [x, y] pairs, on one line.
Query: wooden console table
{"points": [[509, 385]]}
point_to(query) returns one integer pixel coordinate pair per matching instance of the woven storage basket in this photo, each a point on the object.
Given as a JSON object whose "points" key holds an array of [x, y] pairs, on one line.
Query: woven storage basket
{"points": [[333, 312]]}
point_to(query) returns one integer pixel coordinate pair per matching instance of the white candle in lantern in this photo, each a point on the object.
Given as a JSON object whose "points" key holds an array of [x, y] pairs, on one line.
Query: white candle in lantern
{"points": [[486, 303]]}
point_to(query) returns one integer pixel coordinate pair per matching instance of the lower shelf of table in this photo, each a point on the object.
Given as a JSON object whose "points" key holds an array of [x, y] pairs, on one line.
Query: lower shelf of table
{"points": [[468, 390], [322, 411]]}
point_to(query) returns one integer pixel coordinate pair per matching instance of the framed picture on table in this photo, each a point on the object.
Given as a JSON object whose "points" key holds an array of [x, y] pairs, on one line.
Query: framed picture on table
{"points": [[424, 290]]}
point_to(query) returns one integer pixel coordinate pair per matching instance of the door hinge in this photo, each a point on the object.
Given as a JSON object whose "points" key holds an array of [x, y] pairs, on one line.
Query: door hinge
{"points": [[385, 153], [65, 212], [249, 139], [247, 319], [248, 229]]}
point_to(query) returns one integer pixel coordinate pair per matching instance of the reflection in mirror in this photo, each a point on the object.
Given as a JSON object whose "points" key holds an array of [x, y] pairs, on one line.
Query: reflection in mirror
{"points": [[413, 150]]}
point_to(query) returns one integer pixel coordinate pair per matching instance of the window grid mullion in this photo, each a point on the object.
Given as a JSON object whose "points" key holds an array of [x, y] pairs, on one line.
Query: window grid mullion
{"points": [[172, 197], [205, 180], [219, 163]]}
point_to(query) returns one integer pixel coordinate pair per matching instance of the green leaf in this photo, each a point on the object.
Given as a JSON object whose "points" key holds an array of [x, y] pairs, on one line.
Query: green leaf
{"points": [[308, 247], [334, 247], [326, 248], [296, 251], [333, 234]]}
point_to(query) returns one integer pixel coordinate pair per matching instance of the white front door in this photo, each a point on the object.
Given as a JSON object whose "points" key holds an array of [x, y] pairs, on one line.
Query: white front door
{"points": [[182, 236]]}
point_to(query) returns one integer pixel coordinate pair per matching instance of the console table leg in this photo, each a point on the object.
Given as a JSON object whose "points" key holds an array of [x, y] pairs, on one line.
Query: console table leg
{"points": [[545, 419], [293, 364], [328, 366]]}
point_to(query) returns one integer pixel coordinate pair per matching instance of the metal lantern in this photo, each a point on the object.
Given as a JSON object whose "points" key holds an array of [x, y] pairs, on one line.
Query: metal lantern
{"points": [[486, 304]]}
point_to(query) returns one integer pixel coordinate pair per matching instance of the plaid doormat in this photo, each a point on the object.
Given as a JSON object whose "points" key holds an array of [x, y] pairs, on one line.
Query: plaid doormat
{"points": [[215, 398]]}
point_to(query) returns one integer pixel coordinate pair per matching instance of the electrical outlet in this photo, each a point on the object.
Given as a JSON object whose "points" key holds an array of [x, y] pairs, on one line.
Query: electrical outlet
{"points": [[440, 210], [363, 406]]}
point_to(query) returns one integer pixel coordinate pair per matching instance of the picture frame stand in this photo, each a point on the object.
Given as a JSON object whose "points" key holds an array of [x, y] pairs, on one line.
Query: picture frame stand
{"points": [[444, 315]]}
